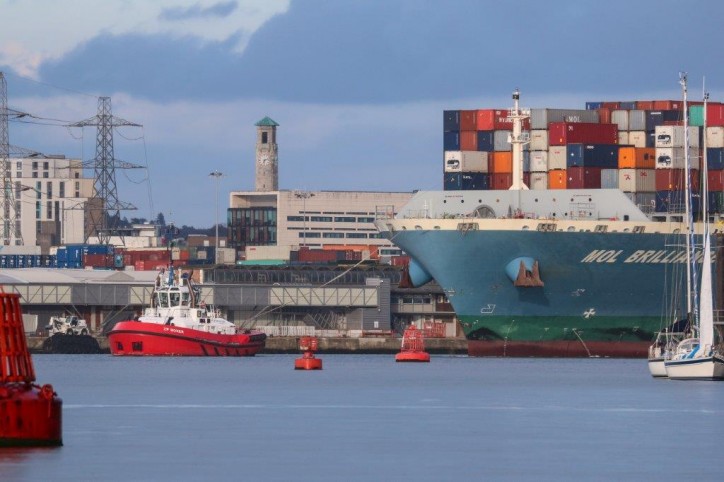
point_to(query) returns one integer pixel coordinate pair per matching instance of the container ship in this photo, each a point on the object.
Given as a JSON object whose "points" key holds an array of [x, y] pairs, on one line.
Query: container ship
{"points": [[575, 265]]}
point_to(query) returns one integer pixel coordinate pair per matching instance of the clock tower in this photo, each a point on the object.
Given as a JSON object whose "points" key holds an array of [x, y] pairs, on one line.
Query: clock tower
{"points": [[267, 155]]}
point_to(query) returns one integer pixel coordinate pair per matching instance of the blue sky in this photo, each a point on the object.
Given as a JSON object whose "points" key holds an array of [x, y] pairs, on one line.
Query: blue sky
{"points": [[357, 86]]}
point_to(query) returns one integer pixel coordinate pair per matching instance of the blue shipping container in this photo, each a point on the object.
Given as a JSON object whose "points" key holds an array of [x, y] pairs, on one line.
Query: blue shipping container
{"points": [[592, 155], [627, 105], [674, 201], [453, 181], [471, 181], [715, 157], [485, 141], [658, 117], [451, 141], [593, 105], [451, 121]]}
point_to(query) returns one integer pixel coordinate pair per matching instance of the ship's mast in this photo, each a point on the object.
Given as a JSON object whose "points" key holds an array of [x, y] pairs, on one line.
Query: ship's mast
{"points": [[517, 141]]}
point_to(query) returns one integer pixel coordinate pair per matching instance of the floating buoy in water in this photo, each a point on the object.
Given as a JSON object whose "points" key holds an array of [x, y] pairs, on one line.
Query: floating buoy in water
{"points": [[413, 347], [30, 415], [308, 345]]}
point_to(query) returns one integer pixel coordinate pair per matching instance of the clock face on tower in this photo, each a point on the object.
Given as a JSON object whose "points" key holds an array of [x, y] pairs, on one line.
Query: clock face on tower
{"points": [[264, 160]]}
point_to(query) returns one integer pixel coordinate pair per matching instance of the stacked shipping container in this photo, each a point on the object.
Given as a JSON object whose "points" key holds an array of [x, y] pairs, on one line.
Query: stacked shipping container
{"points": [[633, 146]]}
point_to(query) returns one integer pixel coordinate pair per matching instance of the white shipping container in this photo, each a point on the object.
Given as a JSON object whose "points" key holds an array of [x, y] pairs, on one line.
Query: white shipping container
{"points": [[637, 138], [10, 249], [637, 120], [557, 157], [609, 178], [538, 161], [673, 158], [538, 140], [453, 161], [255, 253], [622, 138], [620, 117], [501, 140], [637, 180], [673, 136], [540, 118], [538, 181], [714, 137], [226, 256], [474, 161], [30, 323]]}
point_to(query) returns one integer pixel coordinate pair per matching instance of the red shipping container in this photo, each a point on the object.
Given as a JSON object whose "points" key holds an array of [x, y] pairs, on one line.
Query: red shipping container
{"points": [[714, 114], [668, 105], [610, 105], [98, 260], [468, 140], [467, 120], [584, 178], [496, 119], [604, 115], [526, 178], [645, 105], [400, 260], [674, 180], [484, 119], [715, 177], [501, 181], [562, 133]]}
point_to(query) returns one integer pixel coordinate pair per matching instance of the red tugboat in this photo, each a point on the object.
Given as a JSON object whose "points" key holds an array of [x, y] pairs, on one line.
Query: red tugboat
{"points": [[30, 415], [177, 324], [413, 347]]}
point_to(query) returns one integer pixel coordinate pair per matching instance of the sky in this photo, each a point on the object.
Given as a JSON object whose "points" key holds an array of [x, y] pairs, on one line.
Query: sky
{"points": [[357, 86]]}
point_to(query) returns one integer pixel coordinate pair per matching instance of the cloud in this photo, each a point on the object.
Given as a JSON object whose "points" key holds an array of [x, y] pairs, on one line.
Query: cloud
{"points": [[222, 9], [37, 31]]}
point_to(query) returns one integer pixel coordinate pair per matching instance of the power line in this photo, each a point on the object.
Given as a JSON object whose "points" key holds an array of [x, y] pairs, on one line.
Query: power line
{"points": [[53, 86]]}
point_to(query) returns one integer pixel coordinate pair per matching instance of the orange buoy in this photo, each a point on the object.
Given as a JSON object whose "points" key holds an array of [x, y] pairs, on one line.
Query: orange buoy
{"points": [[30, 415], [308, 345], [413, 346]]}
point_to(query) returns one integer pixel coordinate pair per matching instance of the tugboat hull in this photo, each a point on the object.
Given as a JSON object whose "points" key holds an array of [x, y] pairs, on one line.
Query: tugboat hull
{"points": [[133, 338]]}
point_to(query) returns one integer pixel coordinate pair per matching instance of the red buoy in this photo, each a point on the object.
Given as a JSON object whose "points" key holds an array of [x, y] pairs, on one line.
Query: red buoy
{"points": [[413, 347], [308, 344], [30, 415]]}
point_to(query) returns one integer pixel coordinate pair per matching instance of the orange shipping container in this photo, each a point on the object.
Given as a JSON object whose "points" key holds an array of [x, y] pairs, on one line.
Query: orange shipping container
{"points": [[468, 140], [502, 163], [557, 179], [604, 115], [636, 158]]}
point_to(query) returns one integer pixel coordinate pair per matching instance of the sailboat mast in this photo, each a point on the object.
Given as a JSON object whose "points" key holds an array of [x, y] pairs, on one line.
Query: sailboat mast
{"points": [[690, 298]]}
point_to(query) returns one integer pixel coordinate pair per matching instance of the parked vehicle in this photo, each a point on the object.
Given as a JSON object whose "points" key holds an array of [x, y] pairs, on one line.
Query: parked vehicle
{"points": [[68, 325]]}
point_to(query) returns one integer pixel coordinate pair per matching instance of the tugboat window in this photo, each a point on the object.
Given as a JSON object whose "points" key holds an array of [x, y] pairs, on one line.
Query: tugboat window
{"points": [[137, 346]]}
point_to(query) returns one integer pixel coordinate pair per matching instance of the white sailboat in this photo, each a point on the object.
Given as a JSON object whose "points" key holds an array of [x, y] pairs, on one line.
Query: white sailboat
{"points": [[698, 357]]}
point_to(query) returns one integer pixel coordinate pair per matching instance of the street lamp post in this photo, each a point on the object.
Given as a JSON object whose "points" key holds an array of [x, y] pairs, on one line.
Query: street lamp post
{"points": [[303, 195], [218, 175]]}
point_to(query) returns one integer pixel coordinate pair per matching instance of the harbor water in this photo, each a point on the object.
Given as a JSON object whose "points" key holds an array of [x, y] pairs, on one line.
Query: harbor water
{"points": [[365, 417]]}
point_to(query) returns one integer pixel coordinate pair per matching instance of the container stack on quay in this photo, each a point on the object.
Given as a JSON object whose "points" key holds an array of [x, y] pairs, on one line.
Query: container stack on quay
{"points": [[635, 146], [96, 256]]}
